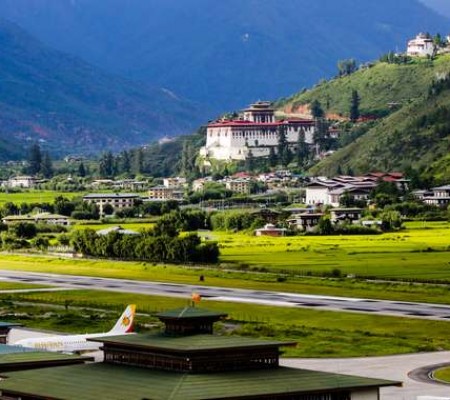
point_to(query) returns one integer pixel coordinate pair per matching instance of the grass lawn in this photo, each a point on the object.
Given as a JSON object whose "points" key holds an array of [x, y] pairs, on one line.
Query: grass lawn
{"points": [[443, 374], [318, 333], [35, 196]]}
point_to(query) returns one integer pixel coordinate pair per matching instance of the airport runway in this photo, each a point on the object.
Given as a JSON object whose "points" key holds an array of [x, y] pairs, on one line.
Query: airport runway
{"points": [[367, 306]]}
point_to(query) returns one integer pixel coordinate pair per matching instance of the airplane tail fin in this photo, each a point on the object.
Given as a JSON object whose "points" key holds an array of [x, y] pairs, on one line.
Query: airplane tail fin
{"points": [[125, 323]]}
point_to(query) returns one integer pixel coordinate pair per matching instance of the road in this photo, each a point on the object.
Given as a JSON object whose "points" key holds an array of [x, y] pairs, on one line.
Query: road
{"points": [[397, 368], [368, 306]]}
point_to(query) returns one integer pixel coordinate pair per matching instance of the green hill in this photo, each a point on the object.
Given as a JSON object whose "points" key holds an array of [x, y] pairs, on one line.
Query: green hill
{"points": [[415, 134]]}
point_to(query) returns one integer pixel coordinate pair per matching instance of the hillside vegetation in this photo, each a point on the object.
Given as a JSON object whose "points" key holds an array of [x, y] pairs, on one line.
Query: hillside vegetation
{"points": [[413, 101]]}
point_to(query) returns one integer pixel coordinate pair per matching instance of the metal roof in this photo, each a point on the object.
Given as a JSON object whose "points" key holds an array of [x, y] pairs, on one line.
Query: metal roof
{"points": [[116, 382]]}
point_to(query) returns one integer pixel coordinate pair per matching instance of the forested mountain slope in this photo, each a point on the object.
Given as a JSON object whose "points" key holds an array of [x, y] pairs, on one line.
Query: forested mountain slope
{"points": [[224, 54], [72, 107]]}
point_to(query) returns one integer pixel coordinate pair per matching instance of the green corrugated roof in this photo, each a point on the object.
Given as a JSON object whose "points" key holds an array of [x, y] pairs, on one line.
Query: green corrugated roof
{"points": [[188, 343], [10, 355], [190, 312], [113, 382], [9, 324]]}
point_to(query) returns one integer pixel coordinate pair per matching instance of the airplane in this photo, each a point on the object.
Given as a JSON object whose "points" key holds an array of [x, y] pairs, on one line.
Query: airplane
{"points": [[78, 343]]}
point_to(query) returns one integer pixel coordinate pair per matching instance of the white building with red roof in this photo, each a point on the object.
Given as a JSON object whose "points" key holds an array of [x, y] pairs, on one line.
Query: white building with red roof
{"points": [[421, 46], [254, 133]]}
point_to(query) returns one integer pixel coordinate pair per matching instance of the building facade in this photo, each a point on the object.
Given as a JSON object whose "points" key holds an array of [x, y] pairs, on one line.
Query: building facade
{"points": [[421, 46], [254, 134]]}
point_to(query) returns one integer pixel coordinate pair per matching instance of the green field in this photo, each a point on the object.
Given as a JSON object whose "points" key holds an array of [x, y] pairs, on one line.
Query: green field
{"points": [[318, 333], [35, 196], [442, 374], [422, 252]]}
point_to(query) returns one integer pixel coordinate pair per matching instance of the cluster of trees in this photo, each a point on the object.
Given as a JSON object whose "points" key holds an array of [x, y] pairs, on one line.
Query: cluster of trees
{"points": [[236, 221], [39, 162], [347, 67], [147, 246]]}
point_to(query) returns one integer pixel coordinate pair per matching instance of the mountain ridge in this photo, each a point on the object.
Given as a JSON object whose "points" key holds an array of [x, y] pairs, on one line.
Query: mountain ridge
{"points": [[224, 54]]}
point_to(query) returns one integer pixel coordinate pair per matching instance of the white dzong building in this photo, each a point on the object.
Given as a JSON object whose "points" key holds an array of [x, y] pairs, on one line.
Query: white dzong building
{"points": [[254, 133], [421, 46]]}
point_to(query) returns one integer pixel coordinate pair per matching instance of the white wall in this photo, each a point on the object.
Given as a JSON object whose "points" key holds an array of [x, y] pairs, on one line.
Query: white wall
{"points": [[367, 394]]}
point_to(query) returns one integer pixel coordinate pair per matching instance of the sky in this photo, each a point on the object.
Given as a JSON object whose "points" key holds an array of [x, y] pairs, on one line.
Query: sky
{"points": [[442, 6]]}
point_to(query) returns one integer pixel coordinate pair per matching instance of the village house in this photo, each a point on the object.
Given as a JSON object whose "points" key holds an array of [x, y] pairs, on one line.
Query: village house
{"points": [[118, 201], [241, 186], [350, 215], [270, 230], [40, 218], [176, 182], [440, 196], [305, 221], [253, 134], [22, 181], [421, 46], [165, 193]]}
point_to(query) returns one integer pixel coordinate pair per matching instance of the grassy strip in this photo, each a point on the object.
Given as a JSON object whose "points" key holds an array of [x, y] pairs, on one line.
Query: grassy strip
{"points": [[443, 374], [35, 196], [319, 333], [20, 286]]}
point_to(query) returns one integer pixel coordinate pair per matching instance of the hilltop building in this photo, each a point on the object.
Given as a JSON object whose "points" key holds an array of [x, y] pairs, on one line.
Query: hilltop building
{"points": [[187, 362], [421, 46], [253, 134]]}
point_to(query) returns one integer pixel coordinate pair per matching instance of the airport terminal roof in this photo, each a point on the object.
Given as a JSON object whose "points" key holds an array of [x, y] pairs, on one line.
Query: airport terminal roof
{"points": [[18, 357], [191, 343], [114, 382]]}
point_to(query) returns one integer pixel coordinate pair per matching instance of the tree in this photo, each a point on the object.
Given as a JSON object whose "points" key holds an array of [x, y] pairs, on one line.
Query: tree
{"points": [[354, 106], [125, 165], [272, 157], [282, 144], [46, 166], [302, 150], [106, 165], [346, 67], [81, 170], [316, 109], [34, 159]]}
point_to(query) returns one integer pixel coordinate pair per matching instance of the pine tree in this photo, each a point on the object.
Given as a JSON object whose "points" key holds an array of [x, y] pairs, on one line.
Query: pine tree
{"points": [[81, 170], [46, 166], [34, 159], [272, 158], [316, 109], [302, 150], [106, 165], [354, 106], [125, 162], [282, 143]]}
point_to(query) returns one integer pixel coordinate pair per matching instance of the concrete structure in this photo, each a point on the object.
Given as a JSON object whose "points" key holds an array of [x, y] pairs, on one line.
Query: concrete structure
{"points": [[241, 186], [254, 134], [164, 193], [421, 46], [176, 182], [118, 201], [41, 218], [23, 181]]}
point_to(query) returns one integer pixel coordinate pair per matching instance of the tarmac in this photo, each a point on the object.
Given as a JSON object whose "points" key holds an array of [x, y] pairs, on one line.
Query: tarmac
{"points": [[408, 369]]}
